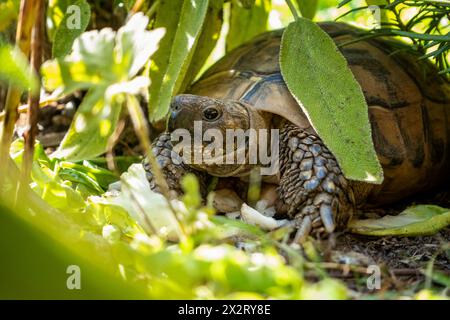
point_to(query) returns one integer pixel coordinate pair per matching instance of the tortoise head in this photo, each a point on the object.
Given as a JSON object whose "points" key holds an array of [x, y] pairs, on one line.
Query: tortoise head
{"points": [[209, 124]]}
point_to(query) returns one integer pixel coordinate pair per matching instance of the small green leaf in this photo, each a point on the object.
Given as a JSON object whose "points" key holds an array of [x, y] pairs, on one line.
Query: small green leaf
{"points": [[75, 21], [15, 69], [247, 22], [319, 78], [100, 175], [414, 221], [308, 8], [170, 63]]}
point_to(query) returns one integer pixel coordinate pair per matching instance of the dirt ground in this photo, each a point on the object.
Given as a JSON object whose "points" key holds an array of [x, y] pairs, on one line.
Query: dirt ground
{"points": [[403, 261]]}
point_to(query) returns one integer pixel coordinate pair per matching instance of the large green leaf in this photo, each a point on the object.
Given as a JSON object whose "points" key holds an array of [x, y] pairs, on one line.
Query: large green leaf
{"points": [[414, 221], [246, 22], [75, 21], [319, 78], [184, 21], [15, 69], [308, 8]]}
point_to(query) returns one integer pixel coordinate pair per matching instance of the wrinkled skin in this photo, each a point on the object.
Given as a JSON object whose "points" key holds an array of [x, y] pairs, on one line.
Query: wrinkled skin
{"points": [[312, 188]]}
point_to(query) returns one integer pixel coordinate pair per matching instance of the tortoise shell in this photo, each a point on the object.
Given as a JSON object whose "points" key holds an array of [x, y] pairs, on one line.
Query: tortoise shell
{"points": [[409, 105]]}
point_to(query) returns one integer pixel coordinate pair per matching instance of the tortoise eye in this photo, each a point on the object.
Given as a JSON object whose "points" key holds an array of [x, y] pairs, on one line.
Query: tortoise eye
{"points": [[211, 114]]}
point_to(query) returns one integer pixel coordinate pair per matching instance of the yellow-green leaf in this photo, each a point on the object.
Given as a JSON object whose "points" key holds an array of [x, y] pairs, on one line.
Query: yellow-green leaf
{"points": [[9, 11], [74, 22], [319, 78], [206, 41], [15, 69], [183, 21], [414, 221], [246, 22], [91, 128]]}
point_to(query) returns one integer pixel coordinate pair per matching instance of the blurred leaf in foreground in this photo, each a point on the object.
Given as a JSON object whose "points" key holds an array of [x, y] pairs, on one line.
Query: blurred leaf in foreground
{"points": [[15, 69], [414, 221], [104, 63], [9, 11]]}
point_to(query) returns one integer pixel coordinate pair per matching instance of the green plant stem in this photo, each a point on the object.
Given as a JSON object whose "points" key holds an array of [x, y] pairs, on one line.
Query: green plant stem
{"points": [[150, 13], [293, 9], [141, 128]]}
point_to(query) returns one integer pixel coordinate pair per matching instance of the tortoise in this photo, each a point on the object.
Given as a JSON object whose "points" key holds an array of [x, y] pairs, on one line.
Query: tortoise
{"points": [[408, 111]]}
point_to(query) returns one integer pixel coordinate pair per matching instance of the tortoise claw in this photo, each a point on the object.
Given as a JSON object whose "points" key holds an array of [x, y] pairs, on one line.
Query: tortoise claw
{"points": [[303, 230], [326, 214]]}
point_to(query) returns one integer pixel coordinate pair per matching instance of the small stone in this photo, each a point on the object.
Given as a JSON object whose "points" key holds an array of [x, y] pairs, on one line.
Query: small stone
{"points": [[61, 120], [298, 155], [320, 171], [311, 184], [306, 175], [315, 149], [293, 143], [306, 164]]}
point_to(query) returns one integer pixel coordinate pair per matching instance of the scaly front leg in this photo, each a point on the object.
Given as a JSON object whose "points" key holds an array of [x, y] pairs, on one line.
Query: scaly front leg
{"points": [[172, 167], [312, 186]]}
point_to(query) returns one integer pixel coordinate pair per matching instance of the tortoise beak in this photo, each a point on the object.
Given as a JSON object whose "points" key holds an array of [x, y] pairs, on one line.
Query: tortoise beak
{"points": [[175, 108], [184, 110]]}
